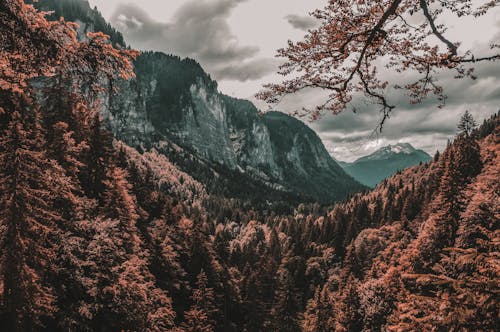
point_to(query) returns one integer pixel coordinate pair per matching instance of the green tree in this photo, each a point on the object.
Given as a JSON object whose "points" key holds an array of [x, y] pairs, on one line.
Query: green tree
{"points": [[467, 124]]}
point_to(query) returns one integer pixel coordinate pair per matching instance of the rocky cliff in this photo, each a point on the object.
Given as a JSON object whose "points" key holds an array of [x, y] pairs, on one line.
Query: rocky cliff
{"points": [[174, 100], [175, 107]]}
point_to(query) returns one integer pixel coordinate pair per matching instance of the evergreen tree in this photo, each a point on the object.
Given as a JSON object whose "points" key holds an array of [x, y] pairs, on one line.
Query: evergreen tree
{"points": [[65, 150], [286, 309], [97, 159], [30, 187], [319, 314], [468, 158], [253, 300], [201, 316], [221, 244], [466, 125], [436, 156], [347, 308]]}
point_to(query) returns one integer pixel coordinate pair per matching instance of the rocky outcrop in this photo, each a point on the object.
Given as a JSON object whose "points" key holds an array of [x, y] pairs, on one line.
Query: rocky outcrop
{"points": [[174, 106], [174, 99]]}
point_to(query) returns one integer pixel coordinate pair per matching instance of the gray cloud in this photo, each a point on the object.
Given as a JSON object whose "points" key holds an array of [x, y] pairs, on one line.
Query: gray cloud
{"points": [[302, 22], [249, 70], [350, 135], [198, 30]]}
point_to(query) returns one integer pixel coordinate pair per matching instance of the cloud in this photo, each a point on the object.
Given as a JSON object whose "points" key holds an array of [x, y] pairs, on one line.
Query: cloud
{"points": [[302, 22], [250, 70], [199, 30], [350, 135]]}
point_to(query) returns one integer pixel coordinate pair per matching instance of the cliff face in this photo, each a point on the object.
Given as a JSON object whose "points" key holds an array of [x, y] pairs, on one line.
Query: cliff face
{"points": [[174, 100], [175, 107]]}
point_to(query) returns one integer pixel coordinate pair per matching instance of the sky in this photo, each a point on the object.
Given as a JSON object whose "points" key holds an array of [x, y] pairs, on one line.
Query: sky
{"points": [[236, 40]]}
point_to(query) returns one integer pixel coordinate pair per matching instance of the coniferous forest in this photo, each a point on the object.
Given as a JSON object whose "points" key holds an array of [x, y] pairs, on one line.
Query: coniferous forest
{"points": [[99, 235]]}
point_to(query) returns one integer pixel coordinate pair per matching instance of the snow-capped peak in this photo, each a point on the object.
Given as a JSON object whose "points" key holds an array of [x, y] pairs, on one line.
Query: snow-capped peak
{"points": [[390, 150], [405, 148]]}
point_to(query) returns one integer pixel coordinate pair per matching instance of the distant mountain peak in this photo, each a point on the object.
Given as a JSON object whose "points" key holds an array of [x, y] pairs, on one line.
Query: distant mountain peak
{"points": [[389, 151], [406, 148], [384, 162]]}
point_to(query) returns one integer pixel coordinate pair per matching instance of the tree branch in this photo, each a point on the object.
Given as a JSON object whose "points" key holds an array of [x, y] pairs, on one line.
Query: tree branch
{"points": [[452, 47]]}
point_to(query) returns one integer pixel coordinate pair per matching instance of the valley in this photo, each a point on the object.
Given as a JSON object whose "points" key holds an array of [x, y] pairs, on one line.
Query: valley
{"points": [[135, 196]]}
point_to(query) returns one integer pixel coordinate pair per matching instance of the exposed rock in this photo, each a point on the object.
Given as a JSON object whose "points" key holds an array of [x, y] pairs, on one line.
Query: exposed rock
{"points": [[175, 107]]}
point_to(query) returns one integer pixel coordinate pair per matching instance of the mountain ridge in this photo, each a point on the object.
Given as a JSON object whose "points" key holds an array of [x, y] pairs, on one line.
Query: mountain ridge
{"points": [[173, 101], [379, 165]]}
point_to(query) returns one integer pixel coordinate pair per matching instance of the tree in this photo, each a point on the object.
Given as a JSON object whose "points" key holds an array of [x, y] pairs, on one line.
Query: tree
{"points": [[200, 317], [466, 125], [347, 308], [30, 224], [65, 150], [97, 158], [286, 308], [436, 156], [38, 203], [253, 299], [319, 314], [468, 157], [344, 54]]}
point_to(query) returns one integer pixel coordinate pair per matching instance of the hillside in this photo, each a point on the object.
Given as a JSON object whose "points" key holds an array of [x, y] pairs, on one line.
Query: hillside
{"points": [[173, 105], [184, 107], [372, 169], [425, 258]]}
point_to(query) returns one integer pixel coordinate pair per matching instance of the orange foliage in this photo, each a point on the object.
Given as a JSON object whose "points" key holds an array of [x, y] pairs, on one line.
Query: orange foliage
{"points": [[357, 40]]}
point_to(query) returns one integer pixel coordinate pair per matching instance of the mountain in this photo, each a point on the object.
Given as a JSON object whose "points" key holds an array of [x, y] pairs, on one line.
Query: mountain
{"points": [[174, 106], [371, 169], [79, 11]]}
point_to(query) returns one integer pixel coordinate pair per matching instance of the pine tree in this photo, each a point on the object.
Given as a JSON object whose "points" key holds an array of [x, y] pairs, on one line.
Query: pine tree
{"points": [[286, 309], [466, 125], [348, 317], [201, 316], [436, 156], [97, 159], [30, 187], [65, 150], [468, 158], [221, 244], [319, 314], [254, 298], [275, 246], [120, 204], [39, 160]]}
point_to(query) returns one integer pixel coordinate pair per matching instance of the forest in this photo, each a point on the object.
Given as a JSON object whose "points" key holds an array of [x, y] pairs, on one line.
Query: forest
{"points": [[98, 236]]}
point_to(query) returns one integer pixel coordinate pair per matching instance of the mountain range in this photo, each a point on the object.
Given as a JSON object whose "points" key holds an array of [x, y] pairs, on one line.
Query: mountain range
{"points": [[174, 106], [372, 169]]}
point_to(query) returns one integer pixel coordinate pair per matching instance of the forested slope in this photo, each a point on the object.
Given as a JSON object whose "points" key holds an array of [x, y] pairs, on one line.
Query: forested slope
{"points": [[174, 106]]}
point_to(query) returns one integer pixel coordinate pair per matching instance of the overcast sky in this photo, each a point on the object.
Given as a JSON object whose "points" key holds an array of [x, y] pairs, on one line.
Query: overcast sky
{"points": [[236, 40]]}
